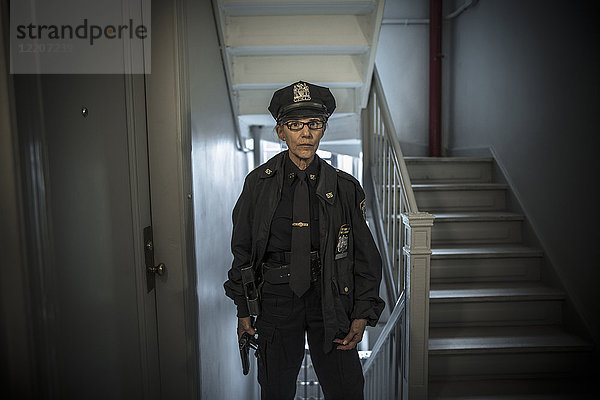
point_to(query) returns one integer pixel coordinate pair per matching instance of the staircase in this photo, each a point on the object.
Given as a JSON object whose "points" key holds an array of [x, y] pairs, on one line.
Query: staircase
{"points": [[495, 328], [268, 44]]}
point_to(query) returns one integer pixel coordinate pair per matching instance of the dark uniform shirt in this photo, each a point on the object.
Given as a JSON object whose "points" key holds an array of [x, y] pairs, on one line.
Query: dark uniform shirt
{"points": [[280, 236]]}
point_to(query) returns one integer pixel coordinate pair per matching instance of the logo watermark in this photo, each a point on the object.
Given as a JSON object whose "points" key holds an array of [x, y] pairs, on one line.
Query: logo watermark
{"points": [[80, 37]]}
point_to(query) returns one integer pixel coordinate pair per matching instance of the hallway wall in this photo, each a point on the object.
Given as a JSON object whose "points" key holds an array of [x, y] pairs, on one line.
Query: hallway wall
{"points": [[218, 175], [402, 63], [524, 82]]}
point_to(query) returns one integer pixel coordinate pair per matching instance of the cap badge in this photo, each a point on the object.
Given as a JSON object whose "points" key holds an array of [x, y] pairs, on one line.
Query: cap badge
{"points": [[301, 92]]}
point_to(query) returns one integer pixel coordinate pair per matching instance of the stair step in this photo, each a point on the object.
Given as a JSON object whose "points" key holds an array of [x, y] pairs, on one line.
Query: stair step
{"points": [[506, 352], [513, 389], [293, 7], [510, 365], [485, 291], [520, 396], [507, 251], [260, 72], [494, 304], [255, 101], [480, 264], [460, 196], [449, 169], [286, 50], [318, 30], [477, 216], [458, 186], [476, 227], [504, 340]]}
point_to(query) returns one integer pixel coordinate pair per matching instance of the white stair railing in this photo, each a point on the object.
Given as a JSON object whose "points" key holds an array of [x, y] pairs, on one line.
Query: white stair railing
{"points": [[397, 366]]}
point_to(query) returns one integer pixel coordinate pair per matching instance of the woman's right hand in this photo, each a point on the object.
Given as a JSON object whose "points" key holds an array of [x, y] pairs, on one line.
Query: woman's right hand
{"points": [[245, 325]]}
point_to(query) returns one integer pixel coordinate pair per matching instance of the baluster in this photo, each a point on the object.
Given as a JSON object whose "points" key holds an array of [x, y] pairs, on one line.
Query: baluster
{"points": [[402, 276], [389, 376], [404, 377], [392, 355], [378, 376], [382, 168], [372, 131], [376, 134], [393, 244], [383, 380], [384, 182], [397, 227], [381, 158], [390, 199], [379, 147], [395, 360]]}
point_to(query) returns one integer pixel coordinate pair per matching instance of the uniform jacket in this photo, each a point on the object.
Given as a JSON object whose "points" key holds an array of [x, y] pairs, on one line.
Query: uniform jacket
{"points": [[350, 277]]}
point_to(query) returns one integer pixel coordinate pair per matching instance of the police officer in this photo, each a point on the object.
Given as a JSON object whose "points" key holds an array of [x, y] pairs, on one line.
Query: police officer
{"points": [[300, 238]]}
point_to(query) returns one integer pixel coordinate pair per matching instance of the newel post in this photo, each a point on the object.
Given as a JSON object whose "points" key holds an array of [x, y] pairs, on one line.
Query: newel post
{"points": [[417, 255]]}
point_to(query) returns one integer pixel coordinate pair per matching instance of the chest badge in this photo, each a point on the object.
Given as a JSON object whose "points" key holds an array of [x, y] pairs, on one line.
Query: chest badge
{"points": [[341, 250]]}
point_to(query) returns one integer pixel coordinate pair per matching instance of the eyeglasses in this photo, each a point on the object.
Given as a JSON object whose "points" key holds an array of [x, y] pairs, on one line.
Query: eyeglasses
{"points": [[298, 125]]}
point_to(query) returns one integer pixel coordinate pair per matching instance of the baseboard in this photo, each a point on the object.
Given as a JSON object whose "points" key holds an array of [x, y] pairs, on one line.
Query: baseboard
{"points": [[571, 317], [470, 152], [414, 149]]}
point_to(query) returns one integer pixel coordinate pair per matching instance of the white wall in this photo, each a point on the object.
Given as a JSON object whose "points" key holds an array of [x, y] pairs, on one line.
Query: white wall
{"points": [[402, 62], [218, 173]]}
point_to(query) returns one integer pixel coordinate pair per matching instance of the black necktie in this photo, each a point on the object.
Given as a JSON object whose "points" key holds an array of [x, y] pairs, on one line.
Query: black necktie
{"points": [[300, 260]]}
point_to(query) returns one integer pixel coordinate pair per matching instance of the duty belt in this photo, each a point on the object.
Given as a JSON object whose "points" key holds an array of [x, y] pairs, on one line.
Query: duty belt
{"points": [[275, 272]]}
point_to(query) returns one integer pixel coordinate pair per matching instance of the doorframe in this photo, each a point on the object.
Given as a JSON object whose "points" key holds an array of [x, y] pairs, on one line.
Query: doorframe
{"points": [[141, 217], [28, 290], [169, 151]]}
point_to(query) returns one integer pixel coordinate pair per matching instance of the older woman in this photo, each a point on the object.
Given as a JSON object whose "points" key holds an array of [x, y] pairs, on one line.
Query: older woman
{"points": [[300, 239]]}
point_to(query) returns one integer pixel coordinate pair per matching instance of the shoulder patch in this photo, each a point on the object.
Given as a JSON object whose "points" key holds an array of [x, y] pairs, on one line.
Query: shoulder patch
{"points": [[363, 208], [270, 167], [345, 175]]}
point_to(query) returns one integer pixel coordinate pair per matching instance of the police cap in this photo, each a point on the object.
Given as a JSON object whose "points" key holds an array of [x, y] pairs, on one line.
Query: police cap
{"points": [[302, 99]]}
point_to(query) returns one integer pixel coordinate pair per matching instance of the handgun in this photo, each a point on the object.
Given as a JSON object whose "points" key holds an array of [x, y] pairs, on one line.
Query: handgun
{"points": [[246, 342]]}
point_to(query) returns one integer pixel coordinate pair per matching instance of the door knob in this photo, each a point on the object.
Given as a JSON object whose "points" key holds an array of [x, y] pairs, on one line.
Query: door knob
{"points": [[160, 269]]}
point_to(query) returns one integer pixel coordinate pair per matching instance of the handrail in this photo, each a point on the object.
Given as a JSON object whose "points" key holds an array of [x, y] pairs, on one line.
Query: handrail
{"points": [[239, 141], [385, 333], [395, 143], [397, 365]]}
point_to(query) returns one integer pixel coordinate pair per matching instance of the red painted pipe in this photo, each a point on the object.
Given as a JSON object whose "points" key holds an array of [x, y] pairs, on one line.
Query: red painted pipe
{"points": [[435, 78]]}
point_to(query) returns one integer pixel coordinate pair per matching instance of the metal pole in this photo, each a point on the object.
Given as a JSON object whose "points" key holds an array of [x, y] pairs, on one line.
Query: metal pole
{"points": [[435, 78]]}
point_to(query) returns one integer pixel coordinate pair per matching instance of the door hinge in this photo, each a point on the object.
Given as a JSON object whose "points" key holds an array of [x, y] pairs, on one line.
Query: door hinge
{"points": [[151, 269]]}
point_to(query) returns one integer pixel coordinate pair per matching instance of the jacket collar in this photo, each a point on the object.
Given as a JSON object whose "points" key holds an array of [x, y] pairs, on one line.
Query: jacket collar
{"points": [[274, 168], [326, 188]]}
